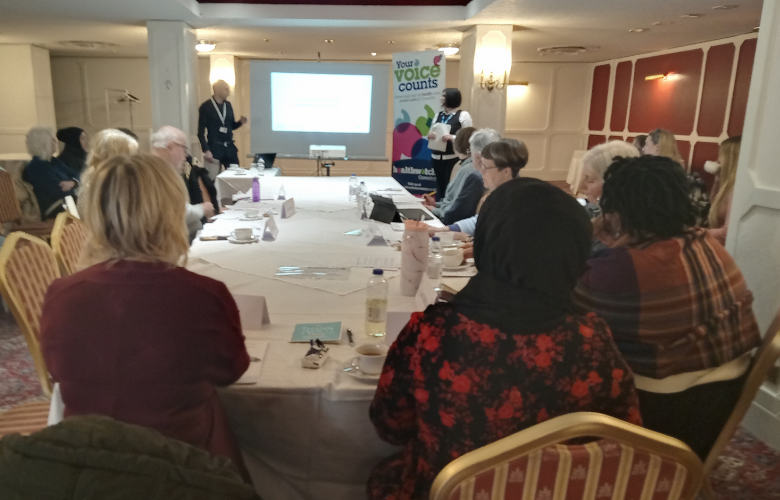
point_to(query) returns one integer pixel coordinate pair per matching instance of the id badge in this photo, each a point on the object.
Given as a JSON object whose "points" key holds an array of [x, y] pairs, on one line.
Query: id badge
{"points": [[223, 130]]}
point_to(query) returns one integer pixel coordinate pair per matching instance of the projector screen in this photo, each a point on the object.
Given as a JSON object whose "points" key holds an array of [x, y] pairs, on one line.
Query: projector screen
{"points": [[297, 104]]}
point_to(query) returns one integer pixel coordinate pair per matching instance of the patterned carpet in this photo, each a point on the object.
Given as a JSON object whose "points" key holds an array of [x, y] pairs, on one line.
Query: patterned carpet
{"points": [[748, 470]]}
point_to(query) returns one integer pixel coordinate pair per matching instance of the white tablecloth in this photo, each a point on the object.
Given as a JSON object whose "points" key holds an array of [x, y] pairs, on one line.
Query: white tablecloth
{"points": [[230, 182], [305, 434]]}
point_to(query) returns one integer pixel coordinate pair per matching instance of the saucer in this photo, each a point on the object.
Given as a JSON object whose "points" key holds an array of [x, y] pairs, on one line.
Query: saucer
{"points": [[456, 269], [251, 218], [241, 242], [239, 172], [356, 373]]}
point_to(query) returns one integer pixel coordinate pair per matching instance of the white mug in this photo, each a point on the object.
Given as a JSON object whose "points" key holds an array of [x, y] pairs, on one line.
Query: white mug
{"points": [[242, 233], [371, 358], [252, 213], [234, 166], [452, 257]]}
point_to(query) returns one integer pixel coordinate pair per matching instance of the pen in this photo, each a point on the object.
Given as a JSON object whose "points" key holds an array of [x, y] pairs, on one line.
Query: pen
{"points": [[432, 193], [349, 336]]}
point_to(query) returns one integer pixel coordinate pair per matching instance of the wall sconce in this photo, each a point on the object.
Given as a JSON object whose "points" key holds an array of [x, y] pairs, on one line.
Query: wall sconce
{"points": [[491, 83], [664, 77], [223, 68]]}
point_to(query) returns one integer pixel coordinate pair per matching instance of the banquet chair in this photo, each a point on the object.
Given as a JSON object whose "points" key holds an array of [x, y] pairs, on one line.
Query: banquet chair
{"points": [[25, 418], [763, 361], [627, 461], [67, 240], [11, 212], [27, 268]]}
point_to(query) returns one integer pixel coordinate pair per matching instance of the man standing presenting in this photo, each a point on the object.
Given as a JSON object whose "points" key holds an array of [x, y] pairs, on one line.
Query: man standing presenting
{"points": [[170, 144], [216, 117]]}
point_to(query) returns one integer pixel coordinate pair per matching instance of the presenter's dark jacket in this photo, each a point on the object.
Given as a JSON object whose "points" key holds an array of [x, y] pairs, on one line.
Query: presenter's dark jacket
{"points": [[208, 121], [45, 177]]}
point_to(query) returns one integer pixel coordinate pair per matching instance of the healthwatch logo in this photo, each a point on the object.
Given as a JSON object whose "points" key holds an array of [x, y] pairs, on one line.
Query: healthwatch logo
{"points": [[411, 76]]}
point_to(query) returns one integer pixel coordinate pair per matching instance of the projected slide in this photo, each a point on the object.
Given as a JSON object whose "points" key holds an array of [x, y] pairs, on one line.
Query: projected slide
{"points": [[329, 103]]}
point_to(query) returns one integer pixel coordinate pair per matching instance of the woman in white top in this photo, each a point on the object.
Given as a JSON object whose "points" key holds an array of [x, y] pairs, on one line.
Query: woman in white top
{"points": [[444, 161]]}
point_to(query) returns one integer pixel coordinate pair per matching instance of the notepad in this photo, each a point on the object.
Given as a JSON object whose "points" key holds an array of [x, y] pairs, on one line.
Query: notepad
{"points": [[257, 350], [326, 332]]}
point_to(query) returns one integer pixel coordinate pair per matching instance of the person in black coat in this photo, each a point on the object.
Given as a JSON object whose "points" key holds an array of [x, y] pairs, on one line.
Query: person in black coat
{"points": [[192, 182], [74, 155], [50, 178], [216, 123]]}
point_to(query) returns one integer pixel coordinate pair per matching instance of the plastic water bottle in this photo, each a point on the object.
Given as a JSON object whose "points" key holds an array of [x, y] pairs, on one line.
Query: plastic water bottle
{"points": [[376, 305], [353, 188], [255, 189], [363, 191], [435, 262], [362, 199]]}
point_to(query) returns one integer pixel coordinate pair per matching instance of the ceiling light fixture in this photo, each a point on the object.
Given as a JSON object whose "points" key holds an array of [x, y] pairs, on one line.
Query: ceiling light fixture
{"points": [[638, 30], [373, 53], [691, 16], [448, 50], [725, 7], [328, 40], [391, 41], [205, 46]]}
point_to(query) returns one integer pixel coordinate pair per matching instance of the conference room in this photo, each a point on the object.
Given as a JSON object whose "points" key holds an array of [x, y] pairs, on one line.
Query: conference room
{"points": [[358, 300]]}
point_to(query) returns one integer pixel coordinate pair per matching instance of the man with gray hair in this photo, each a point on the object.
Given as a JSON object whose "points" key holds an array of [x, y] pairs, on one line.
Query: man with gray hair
{"points": [[170, 144], [466, 188]]}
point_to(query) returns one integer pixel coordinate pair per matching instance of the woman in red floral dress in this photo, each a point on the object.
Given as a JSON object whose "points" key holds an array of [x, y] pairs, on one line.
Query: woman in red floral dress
{"points": [[507, 353]]}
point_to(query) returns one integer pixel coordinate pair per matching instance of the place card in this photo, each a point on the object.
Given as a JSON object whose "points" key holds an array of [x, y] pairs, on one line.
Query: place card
{"points": [[326, 332], [270, 231], [372, 236], [253, 311], [281, 196], [288, 208]]}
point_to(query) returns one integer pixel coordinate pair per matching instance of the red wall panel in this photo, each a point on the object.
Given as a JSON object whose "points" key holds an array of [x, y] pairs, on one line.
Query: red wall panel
{"points": [[620, 96], [741, 86], [685, 150], [666, 104], [595, 140], [702, 152], [715, 91], [598, 97]]}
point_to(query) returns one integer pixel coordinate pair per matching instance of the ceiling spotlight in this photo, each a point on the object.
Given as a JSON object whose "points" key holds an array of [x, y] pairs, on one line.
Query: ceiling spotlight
{"points": [[390, 41], [725, 7], [663, 23], [373, 53], [265, 40], [755, 30], [690, 16], [205, 46], [328, 40], [449, 50], [638, 30]]}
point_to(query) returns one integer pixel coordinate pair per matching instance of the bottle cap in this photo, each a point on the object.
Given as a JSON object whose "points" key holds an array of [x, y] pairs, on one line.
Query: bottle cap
{"points": [[436, 238], [363, 182], [378, 272], [353, 175]]}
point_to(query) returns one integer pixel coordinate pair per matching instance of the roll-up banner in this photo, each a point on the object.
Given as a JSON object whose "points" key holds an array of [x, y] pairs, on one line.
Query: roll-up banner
{"points": [[418, 81]]}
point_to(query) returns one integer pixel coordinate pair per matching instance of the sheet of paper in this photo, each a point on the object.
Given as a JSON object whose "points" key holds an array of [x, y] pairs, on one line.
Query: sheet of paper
{"points": [[257, 350], [440, 130], [326, 332], [378, 262]]}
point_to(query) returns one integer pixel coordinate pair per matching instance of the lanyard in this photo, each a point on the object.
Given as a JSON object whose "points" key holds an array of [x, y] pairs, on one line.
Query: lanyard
{"points": [[449, 117], [223, 114]]}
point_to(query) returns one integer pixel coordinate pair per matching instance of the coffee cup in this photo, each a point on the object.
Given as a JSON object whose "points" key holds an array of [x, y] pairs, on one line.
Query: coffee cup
{"points": [[252, 213], [234, 166], [452, 257], [242, 234], [371, 358], [446, 238]]}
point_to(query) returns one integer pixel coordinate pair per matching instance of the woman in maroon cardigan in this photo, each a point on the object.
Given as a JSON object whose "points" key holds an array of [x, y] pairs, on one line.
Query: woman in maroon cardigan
{"points": [[507, 353], [136, 336]]}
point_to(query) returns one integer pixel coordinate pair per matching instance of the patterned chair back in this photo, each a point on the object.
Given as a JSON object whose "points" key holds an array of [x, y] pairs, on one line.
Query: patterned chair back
{"points": [[10, 210], [67, 240], [629, 462], [27, 268]]}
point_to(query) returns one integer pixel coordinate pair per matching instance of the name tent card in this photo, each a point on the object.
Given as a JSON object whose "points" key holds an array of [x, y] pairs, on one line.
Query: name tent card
{"points": [[372, 236], [271, 230], [288, 208], [253, 311], [326, 332], [281, 196]]}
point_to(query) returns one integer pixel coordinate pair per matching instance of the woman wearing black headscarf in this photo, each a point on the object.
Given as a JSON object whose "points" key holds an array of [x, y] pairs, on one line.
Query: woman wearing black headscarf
{"points": [[74, 154], [508, 352]]}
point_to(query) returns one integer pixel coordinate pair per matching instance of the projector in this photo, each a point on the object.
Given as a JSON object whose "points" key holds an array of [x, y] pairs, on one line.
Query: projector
{"points": [[327, 152]]}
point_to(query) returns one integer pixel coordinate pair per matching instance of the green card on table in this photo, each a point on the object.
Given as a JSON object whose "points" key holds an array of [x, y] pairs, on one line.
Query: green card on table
{"points": [[326, 332]]}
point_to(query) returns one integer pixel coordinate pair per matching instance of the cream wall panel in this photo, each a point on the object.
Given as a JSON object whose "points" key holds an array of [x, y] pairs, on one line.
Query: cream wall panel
{"points": [[571, 97], [560, 149], [44, 94], [69, 93], [19, 110], [537, 152], [529, 109]]}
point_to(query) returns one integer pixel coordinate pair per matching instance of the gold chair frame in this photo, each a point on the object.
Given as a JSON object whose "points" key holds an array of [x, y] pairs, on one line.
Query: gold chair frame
{"points": [[15, 303], [559, 430], [763, 361], [63, 220]]}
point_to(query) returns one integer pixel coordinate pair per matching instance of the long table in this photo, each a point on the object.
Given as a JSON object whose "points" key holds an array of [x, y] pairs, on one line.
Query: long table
{"points": [[305, 434]]}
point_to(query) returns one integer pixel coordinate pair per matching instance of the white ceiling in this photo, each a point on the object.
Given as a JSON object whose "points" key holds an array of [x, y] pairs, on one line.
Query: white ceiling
{"points": [[299, 31]]}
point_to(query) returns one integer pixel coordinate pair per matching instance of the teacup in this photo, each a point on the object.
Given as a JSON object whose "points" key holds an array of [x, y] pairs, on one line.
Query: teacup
{"points": [[452, 257], [252, 213], [242, 234], [371, 358], [446, 238], [234, 166]]}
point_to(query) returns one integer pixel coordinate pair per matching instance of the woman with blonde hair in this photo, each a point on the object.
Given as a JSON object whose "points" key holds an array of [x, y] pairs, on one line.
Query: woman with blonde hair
{"points": [[104, 145], [595, 163], [728, 157], [137, 337]]}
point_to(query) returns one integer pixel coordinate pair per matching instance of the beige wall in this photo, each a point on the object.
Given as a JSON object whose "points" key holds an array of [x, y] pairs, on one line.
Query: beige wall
{"points": [[549, 115], [27, 95]]}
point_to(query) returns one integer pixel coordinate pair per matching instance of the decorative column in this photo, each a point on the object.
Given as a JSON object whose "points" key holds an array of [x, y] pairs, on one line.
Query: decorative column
{"points": [[172, 69], [485, 62]]}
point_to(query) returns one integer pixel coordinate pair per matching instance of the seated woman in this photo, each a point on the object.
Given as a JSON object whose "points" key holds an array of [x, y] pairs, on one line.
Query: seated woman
{"points": [[661, 142], [466, 188], [676, 303], [594, 164], [74, 154], [501, 162], [728, 157], [106, 144], [507, 353], [51, 179], [137, 337]]}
